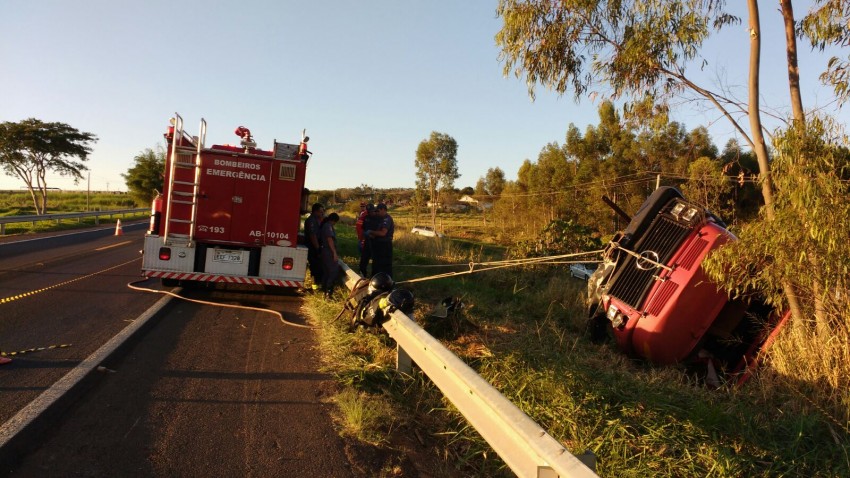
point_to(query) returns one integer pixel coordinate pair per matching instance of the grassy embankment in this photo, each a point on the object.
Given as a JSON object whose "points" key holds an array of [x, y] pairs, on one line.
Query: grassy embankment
{"points": [[19, 203], [528, 342]]}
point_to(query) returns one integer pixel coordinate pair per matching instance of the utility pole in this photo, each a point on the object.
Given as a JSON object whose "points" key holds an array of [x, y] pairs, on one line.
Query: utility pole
{"points": [[88, 192], [616, 217]]}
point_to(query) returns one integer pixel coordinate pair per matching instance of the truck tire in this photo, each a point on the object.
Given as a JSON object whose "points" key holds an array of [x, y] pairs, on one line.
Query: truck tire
{"points": [[598, 329]]}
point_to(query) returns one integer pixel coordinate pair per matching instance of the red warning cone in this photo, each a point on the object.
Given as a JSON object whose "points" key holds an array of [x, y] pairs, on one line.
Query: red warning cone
{"points": [[118, 230]]}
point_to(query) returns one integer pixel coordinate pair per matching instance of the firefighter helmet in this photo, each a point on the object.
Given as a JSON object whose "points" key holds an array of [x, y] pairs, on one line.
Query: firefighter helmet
{"points": [[401, 299], [374, 312], [381, 282]]}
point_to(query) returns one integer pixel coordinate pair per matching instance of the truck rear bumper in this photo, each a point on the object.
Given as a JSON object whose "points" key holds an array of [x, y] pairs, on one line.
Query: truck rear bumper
{"points": [[198, 277], [199, 262]]}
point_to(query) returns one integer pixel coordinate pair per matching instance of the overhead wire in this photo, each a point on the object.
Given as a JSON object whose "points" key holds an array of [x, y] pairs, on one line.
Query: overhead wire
{"points": [[610, 182]]}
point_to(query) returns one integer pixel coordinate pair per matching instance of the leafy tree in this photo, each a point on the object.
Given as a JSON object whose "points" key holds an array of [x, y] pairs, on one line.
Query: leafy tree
{"points": [[495, 181], [805, 245], [559, 237], [144, 180], [481, 187], [707, 184], [829, 24], [436, 168], [641, 50], [548, 176], [31, 148], [418, 203], [741, 167], [365, 191]]}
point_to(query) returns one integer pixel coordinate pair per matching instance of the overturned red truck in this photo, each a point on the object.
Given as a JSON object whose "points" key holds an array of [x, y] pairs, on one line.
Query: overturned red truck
{"points": [[228, 213], [653, 296]]}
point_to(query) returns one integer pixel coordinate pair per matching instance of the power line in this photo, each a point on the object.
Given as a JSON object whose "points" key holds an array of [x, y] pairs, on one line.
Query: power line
{"points": [[584, 186]]}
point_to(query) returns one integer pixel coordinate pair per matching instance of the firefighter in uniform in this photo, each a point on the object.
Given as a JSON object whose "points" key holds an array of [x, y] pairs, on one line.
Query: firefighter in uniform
{"points": [[382, 242], [370, 223], [314, 247], [358, 226], [330, 258]]}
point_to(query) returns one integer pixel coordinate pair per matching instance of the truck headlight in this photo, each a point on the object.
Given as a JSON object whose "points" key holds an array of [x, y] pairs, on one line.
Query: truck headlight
{"points": [[683, 212], [689, 214], [618, 320]]}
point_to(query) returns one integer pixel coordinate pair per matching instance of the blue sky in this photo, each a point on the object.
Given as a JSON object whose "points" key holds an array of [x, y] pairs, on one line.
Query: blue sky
{"points": [[368, 80]]}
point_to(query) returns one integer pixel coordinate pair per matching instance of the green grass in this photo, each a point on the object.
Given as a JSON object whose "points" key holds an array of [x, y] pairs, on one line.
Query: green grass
{"points": [[363, 415], [522, 330], [17, 203]]}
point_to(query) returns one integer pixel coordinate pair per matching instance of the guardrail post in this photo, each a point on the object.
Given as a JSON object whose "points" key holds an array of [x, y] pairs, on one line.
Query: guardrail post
{"points": [[403, 362], [546, 472]]}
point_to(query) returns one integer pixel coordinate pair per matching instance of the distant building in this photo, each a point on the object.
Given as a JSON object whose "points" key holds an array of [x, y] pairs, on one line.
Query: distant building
{"points": [[469, 200]]}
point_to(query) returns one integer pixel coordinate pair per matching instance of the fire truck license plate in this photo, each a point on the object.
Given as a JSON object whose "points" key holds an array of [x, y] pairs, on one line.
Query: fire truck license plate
{"points": [[227, 255]]}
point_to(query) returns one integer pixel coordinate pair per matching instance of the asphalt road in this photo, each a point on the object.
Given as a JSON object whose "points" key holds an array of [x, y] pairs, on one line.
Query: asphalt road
{"points": [[206, 391], [73, 292]]}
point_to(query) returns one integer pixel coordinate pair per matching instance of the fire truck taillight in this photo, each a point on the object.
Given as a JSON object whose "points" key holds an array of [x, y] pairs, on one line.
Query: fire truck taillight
{"points": [[287, 263], [164, 253]]}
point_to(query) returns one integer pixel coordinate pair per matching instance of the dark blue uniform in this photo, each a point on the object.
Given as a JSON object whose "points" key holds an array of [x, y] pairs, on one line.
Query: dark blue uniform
{"points": [[382, 248], [311, 229], [330, 267], [370, 223]]}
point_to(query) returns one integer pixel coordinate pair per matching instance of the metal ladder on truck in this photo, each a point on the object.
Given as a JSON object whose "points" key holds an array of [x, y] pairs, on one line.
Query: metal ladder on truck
{"points": [[181, 191]]}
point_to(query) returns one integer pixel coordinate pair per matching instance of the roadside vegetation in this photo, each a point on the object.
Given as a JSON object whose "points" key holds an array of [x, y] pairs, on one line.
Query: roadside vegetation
{"points": [[19, 203], [31, 148], [522, 329]]}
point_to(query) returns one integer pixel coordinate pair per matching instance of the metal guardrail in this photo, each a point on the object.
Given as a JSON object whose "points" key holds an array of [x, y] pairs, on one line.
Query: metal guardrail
{"points": [[524, 446], [58, 217]]}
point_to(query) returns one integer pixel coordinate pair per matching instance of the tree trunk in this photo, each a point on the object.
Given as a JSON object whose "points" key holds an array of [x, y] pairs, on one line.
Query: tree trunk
{"points": [[433, 194], [793, 69], [43, 199], [758, 141], [799, 122], [39, 208], [755, 116], [33, 196]]}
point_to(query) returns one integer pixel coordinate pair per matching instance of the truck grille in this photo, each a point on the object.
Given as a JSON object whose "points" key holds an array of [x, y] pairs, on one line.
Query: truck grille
{"points": [[631, 284]]}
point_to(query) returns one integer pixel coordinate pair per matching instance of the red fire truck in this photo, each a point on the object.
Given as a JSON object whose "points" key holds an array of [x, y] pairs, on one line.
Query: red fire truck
{"points": [[228, 213]]}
